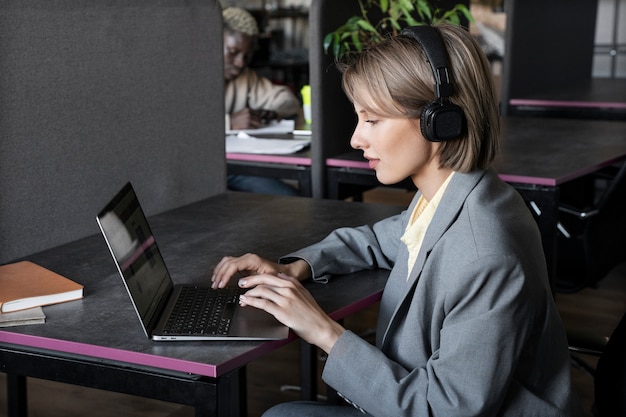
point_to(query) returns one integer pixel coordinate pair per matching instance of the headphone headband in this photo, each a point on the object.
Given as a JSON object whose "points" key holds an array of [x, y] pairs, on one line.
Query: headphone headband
{"points": [[430, 40]]}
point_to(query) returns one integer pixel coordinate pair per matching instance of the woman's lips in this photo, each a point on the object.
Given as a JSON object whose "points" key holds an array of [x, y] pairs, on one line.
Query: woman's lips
{"points": [[372, 162]]}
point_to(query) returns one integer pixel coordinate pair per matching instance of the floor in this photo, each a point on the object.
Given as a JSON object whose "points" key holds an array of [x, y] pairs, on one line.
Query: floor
{"points": [[272, 379]]}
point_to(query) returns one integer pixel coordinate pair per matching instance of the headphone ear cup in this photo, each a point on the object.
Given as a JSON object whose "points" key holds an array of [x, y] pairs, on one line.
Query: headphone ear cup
{"points": [[442, 121]]}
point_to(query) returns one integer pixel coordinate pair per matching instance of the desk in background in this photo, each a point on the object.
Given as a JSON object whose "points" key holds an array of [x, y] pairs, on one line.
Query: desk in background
{"points": [[537, 156], [98, 342], [296, 166], [597, 98]]}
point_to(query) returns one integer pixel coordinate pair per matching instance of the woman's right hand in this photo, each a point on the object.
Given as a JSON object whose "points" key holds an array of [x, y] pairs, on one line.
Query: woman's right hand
{"points": [[251, 264]]}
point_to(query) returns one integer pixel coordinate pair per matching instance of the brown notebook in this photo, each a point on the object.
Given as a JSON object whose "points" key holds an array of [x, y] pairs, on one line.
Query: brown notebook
{"points": [[26, 285]]}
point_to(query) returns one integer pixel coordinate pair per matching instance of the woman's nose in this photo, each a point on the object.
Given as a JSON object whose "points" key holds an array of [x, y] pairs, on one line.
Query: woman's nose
{"points": [[356, 141]]}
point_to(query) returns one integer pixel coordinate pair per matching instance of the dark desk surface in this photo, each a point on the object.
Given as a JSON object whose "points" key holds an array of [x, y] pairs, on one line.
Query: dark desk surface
{"points": [[599, 98], [103, 326], [543, 151], [604, 93]]}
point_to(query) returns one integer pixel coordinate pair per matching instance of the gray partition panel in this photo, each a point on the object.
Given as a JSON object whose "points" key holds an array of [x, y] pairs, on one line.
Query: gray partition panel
{"points": [[96, 93]]}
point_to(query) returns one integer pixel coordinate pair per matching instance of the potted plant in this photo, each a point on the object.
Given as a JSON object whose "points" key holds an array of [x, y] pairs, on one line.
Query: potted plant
{"points": [[393, 15]]}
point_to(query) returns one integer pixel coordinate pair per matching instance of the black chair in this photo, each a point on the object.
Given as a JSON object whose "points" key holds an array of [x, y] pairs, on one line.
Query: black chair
{"points": [[593, 229], [592, 242], [609, 374]]}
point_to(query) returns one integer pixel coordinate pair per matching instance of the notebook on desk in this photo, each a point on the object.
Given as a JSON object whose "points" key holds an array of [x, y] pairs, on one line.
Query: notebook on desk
{"points": [[169, 312]]}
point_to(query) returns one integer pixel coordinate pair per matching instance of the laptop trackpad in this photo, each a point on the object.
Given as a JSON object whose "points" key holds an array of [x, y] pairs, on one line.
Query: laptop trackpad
{"points": [[252, 322]]}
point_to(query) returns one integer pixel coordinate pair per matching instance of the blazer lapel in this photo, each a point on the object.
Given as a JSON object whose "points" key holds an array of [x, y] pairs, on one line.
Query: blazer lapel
{"points": [[459, 188]]}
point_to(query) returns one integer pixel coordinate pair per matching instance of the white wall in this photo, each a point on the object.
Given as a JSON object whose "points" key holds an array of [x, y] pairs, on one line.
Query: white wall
{"points": [[610, 54]]}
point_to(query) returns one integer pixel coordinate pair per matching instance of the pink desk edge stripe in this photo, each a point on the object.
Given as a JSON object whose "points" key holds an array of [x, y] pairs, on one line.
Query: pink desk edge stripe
{"points": [[359, 305], [522, 179], [276, 159], [108, 353], [567, 103]]}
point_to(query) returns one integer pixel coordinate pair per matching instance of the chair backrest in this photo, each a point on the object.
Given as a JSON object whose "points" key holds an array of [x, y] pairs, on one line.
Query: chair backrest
{"points": [[610, 375], [96, 93], [605, 233]]}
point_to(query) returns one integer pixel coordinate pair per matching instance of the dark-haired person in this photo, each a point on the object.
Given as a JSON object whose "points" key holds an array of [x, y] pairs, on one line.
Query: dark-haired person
{"points": [[251, 100]]}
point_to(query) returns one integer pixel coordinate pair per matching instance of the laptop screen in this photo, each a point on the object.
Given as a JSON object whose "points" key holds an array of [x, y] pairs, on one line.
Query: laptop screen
{"points": [[133, 247]]}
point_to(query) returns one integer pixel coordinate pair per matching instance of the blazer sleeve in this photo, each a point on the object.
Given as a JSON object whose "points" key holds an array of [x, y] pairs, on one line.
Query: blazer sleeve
{"points": [[348, 250]]}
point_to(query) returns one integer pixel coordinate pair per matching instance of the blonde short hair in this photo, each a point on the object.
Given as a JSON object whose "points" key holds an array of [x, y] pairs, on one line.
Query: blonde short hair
{"points": [[394, 79]]}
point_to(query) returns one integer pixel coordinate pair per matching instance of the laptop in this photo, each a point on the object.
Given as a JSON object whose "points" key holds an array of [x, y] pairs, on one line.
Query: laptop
{"points": [[169, 312]]}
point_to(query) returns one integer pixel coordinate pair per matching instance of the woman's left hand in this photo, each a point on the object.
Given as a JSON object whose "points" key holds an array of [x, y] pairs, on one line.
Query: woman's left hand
{"points": [[293, 305]]}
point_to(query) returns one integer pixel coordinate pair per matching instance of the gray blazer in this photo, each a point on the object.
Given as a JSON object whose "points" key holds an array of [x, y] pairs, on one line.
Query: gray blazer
{"points": [[474, 330]]}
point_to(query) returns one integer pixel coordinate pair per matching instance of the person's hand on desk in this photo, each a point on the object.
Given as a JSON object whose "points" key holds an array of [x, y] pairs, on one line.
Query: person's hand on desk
{"points": [[276, 288], [285, 298], [251, 119], [252, 264]]}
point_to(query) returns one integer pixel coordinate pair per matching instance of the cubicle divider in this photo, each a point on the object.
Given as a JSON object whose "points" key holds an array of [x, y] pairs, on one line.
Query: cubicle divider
{"points": [[98, 93], [333, 117]]}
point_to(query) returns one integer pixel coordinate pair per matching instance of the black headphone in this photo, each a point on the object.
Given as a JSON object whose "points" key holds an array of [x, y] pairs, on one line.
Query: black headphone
{"points": [[440, 119]]}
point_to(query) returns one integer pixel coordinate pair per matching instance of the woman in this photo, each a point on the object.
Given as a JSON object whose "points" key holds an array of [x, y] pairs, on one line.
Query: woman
{"points": [[467, 323]]}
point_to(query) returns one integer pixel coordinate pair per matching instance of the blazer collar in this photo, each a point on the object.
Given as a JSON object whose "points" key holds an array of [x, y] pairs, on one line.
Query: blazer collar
{"points": [[451, 203]]}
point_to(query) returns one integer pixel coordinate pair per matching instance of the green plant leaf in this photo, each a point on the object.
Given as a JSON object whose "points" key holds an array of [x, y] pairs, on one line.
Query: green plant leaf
{"points": [[425, 11], [406, 5], [328, 40], [365, 25], [384, 5], [396, 25], [465, 11], [358, 31]]}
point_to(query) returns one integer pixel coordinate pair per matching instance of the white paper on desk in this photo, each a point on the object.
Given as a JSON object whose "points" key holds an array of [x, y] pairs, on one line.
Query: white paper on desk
{"points": [[275, 127], [243, 143]]}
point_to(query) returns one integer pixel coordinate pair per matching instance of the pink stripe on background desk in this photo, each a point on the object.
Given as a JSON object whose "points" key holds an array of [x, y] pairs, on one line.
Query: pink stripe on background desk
{"points": [[274, 159], [347, 163], [568, 103]]}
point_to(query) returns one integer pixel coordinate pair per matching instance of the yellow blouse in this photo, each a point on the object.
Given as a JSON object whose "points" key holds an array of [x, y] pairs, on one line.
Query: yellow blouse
{"points": [[421, 217]]}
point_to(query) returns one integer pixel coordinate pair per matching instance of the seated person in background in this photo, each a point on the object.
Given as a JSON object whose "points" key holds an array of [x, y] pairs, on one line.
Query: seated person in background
{"points": [[251, 100], [467, 323]]}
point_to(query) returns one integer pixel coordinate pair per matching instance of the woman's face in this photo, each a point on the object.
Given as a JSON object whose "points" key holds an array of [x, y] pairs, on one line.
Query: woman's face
{"points": [[394, 147]]}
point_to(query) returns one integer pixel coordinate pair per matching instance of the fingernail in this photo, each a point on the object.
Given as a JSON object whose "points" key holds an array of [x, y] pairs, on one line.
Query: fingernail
{"points": [[242, 282]]}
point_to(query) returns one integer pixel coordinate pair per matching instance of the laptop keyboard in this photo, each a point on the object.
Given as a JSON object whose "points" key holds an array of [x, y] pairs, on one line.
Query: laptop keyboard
{"points": [[203, 311]]}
